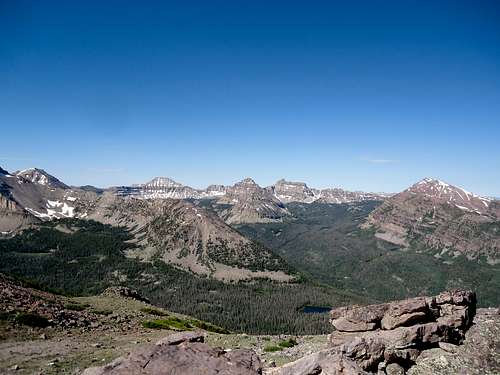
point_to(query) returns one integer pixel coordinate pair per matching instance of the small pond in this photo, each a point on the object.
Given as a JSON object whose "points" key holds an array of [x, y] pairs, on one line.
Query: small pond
{"points": [[315, 309]]}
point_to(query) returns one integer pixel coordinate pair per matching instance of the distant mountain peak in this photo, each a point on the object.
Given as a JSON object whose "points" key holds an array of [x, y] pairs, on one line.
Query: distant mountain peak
{"points": [[247, 181], [444, 192], [163, 182], [440, 216], [289, 191], [3, 172], [41, 177], [291, 183], [427, 180]]}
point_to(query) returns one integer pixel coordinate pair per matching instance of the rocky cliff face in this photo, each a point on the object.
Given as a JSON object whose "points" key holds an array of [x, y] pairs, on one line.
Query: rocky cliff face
{"points": [[344, 196], [439, 216], [287, 192], [12, 216], [299, 192]]}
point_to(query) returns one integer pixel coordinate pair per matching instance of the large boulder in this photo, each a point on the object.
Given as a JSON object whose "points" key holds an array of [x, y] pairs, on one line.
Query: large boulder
{"points": [[358, 318], [397, 332], [325, 362], [182, 354]]}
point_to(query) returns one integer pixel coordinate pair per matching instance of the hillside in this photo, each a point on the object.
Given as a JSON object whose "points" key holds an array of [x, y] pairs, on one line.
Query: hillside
{"points": [[328, 243], [182, 234], [443, 218]]}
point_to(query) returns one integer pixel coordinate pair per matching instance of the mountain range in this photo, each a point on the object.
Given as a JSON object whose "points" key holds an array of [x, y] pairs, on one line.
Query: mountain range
{"points": [[198, 229]]}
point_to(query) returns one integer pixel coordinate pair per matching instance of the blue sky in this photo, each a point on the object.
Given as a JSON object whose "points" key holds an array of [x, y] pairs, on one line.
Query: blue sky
{"points": [[370, 95]]}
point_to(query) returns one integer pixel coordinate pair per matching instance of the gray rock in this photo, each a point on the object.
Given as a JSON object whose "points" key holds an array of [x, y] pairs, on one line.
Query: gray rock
{"points": [[325, 362], [394, 369], [397, 332]]}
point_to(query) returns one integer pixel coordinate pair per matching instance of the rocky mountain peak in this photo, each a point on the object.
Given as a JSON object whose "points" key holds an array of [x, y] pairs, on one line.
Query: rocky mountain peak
{"points": [[442, 192], [162, 182], [288, 191], [3, 172], [41, 177], [440, 216], [247, 181], [290, 184], [216, 190], [252, 203]]}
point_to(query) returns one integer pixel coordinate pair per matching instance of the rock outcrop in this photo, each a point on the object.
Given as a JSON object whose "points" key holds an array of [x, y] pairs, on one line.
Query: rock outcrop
{"points": [[182, 354], [388, 338], [18, 301]]}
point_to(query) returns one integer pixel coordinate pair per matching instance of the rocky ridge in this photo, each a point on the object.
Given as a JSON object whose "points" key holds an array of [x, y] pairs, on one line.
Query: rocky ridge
{"points": [[283, 190], [18, 299], [442, 217], [40, 177], [249, 203], [44, 196], [183, 234], [246, 201]]}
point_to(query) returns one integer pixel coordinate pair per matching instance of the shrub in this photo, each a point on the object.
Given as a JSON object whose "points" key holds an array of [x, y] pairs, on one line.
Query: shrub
{"points": [[102, 312], [10, 315], [209, 327], [272, 348], [32, 320], [75, 306], [290, 343], [151, 311]]}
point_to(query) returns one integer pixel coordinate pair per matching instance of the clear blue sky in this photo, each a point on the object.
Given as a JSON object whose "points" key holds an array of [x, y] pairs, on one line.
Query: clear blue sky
{"points": [[370, 95]]}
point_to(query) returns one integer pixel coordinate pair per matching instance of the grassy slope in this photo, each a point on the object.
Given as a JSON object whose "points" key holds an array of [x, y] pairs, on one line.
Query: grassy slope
{"points": [[326, 243]]}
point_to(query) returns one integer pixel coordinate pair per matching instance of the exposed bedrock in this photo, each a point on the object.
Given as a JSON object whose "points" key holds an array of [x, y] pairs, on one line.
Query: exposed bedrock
{"points": [[388, 338], [182, 354]]}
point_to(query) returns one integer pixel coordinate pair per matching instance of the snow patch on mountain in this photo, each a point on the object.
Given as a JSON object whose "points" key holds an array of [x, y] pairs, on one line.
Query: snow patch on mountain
{"points": [[446, 193]]}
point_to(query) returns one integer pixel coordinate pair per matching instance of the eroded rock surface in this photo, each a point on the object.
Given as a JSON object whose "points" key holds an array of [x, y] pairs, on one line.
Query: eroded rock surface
{"points": [[389, 338], [182, 354]]}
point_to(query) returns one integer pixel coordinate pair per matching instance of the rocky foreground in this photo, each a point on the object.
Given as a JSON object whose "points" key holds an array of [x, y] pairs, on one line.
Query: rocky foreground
{"points": [[423, 335]]}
